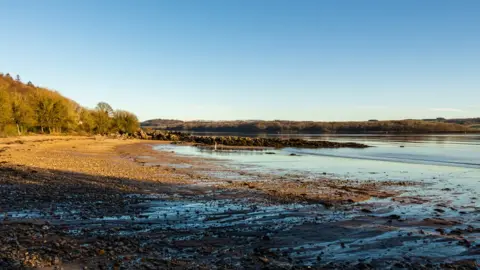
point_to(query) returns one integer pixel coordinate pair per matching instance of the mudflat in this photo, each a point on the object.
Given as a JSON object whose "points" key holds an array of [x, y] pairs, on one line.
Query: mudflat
{"points": [[96, 203]]}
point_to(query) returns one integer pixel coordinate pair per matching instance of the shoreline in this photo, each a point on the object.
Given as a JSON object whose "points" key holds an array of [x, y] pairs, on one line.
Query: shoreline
{"points": [[245, 142], [86, 201]]}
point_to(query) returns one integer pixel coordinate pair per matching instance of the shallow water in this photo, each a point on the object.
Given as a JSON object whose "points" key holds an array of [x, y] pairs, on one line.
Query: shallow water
{"points": [[447, 165], [454, 158]]}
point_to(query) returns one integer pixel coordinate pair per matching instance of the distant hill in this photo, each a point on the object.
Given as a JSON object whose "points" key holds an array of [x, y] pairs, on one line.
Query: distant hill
{"points": [[470, 122], [162, 123], [282, 126], [465, 121]]}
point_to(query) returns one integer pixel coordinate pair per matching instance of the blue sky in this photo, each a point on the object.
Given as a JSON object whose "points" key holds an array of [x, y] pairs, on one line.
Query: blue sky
{"points": [[251, 59]]}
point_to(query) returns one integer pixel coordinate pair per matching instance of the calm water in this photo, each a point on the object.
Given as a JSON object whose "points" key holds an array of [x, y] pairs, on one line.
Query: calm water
{"points": [[418, 158], [442, 162]]}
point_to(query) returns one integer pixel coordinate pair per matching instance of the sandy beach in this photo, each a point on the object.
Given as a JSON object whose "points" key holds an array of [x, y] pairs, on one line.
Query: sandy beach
{"points": [[95, 203]]}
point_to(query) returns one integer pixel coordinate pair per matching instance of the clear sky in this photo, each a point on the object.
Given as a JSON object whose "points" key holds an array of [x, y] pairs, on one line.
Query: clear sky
{"points": [[251, 59]]}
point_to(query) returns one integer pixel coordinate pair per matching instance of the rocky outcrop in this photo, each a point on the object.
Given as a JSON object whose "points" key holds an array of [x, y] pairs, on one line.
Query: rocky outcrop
{"points": [[246, 141], [141, 134]]}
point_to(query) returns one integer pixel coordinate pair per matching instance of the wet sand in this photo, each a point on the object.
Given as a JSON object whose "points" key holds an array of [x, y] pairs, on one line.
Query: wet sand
{"points": [[94, 203]]}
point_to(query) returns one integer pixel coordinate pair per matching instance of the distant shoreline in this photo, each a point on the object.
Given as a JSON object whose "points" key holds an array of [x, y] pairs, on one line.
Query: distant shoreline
{"points": [[256, 133], [438, 126], [312, 133]]}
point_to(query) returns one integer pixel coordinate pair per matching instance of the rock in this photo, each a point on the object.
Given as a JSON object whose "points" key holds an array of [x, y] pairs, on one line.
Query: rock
{"points": [[263, 259], [395, 217], [465, 242], [439, 221], [456, 232], [244, 141], [467, 264], [364, 266], [141, 134]]}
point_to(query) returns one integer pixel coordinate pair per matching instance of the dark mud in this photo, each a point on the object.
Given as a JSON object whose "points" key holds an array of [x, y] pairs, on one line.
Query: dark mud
{"points": [[57, 218]]}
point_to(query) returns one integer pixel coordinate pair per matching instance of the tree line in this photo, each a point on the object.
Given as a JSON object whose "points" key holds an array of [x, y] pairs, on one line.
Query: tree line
{"points": [[26, 108], [282, 126]]}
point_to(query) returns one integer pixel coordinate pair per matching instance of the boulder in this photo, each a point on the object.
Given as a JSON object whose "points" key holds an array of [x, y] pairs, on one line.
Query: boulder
{"points": [[141, 134]]}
